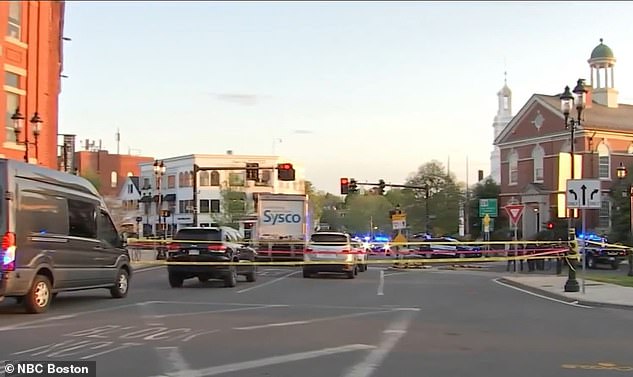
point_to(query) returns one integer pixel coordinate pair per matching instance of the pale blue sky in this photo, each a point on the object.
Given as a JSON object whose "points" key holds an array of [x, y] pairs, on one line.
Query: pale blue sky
{"points": [[383, 86]]}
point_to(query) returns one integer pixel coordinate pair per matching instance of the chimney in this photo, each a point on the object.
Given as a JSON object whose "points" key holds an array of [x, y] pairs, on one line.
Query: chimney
{"points": [[588, 96]]}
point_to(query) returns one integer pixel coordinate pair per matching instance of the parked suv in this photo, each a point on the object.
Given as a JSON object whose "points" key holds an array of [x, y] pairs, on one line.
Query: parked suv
{"points": [[57, 235], [219, 245]]}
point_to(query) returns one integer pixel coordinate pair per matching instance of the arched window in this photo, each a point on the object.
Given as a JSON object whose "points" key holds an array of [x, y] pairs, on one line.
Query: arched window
{"points": [[215, 178], [129, 174], [513, 168], [181, 179], [537, 155], [630, 149], [113, 179], [604, 161], [204, 178]]}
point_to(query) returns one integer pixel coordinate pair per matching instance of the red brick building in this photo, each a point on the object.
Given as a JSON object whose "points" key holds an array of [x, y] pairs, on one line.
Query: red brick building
{"points": [[111, 169], [32, 60], [535, 149]]}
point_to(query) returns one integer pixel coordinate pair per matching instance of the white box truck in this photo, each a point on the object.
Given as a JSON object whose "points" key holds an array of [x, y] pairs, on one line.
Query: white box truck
{"points": [[282, 228]]}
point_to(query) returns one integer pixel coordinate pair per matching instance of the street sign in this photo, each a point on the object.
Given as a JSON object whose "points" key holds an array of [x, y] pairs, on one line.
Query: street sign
{"points": [[514, 211], [583, 193], [399, 221], [488, 207], [400, 238]]}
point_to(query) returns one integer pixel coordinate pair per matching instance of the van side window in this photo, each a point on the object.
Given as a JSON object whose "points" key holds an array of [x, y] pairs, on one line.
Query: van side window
{"points": [[81, 219], [106, 230]]}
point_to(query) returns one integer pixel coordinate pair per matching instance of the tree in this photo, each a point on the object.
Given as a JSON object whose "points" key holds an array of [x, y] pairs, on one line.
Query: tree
{"points": [[93, 178], [621, 212], [234, 206], [488, 189], [364, 211]]}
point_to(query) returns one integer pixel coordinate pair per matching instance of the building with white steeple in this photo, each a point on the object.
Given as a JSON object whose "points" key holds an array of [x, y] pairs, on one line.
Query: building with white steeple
{"points": [[503, 117]]}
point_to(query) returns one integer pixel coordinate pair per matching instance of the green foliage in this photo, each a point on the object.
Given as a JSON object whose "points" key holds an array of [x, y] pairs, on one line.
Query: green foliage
{"points": [[93, 178], [621, 211], [486, 189], [234, 207]]}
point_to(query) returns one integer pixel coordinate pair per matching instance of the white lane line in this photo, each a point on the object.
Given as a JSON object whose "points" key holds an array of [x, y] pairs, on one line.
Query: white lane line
{"points": [[267, 361], [399, 273], [310, 321], [172, 359], [57, 318], [381, 283], [393, 333], [575, 303], [268, 282], [317, 306], [215, 311]]}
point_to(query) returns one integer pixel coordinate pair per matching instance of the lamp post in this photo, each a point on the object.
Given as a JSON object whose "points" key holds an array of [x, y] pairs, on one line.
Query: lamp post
{"points": [[159, 170], [621, 171], [567, 101], [18, 127]]}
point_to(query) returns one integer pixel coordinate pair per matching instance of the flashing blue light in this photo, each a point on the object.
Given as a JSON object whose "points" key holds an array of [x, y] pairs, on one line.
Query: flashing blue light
{"points": [[381, 239]]}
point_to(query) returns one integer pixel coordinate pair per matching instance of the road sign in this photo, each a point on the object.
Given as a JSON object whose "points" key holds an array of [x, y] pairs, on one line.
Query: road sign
{"points": [[399, 221], [488, 207], [514, 211], [583, 193], [400, 238]]}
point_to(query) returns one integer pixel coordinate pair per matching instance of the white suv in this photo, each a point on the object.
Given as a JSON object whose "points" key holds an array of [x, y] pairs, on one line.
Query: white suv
{"points": [[333, 252]]}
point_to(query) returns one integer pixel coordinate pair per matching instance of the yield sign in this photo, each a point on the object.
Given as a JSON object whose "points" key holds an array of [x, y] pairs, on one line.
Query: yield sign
{"points": [[514, 211]]}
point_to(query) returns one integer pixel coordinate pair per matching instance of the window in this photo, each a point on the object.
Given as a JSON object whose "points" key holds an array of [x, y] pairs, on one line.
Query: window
{"points": [[604, 162], [513, 168], [106, 231], [204, 206], [181, 179], [190, 179], [38, 212], [113, 179], [605, 213], [186, 206], [13, 102], [15, 18], [204, 178], [215, 206], [215, 178], [146, 184], [129, 174], [171, 181], [537, 154], [236, 179], [199, 235], [130, 188], [506, 102], [82, 221], [12, 79]]}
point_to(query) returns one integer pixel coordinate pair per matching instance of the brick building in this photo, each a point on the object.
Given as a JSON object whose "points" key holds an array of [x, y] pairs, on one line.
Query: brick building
{"points": [[32, 60], [110, 169], [535, 158]]}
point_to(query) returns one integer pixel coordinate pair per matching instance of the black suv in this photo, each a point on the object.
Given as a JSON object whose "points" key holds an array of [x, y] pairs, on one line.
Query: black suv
{"points": [[209, 244]]}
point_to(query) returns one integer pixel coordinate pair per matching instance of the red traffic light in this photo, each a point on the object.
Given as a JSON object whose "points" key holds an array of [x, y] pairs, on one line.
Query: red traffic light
{"points": [[344, 186], [285, 166], [550, 225], [344, 181]]}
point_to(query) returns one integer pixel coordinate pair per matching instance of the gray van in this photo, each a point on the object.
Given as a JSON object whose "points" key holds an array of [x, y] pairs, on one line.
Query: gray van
{"points": [[57, 235]]}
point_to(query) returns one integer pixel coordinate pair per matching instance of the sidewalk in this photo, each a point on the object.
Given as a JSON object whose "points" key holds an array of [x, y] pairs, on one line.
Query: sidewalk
{"points": [[146, 259], [596, 293]]}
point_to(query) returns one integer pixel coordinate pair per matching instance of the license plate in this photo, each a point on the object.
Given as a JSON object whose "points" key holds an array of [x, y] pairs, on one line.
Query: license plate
{"points": [[324, 256], [194, 252]]}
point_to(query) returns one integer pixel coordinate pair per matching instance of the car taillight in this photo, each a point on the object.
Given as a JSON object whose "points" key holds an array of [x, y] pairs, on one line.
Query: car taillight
{"points": [[8, 251], [216, 248], [309, 250], [173, 246], [345, 251]]}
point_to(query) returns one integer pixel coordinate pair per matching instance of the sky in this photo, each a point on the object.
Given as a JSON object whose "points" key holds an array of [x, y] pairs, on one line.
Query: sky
{"points": [[366, 90]]}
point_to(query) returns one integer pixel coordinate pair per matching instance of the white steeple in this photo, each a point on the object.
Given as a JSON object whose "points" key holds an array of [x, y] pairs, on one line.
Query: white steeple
{"points": [[601, 64], [503, 117]]}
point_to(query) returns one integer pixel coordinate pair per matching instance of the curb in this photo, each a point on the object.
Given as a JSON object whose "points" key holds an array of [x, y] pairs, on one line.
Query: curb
{"points": [[564, 298]]}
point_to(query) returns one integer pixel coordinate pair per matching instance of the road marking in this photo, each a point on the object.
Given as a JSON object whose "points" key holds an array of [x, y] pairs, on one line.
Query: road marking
{"points": [[575, 303], [267, 361], [383, 307], [215, 311], [599, 366], [57, 318], [268, 282], [188, 338], [381, 283], [310, 321], [393, 333], [399, 273], [172, 359]]}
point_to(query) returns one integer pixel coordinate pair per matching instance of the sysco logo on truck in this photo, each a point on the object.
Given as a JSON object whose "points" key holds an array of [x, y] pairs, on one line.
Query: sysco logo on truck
{"points": [[281, 218]]}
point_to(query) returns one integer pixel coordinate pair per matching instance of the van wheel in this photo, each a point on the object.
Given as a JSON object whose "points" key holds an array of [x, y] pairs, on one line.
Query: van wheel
{"points": [[121, 285], [230, 280], [175, 281], [39, 297], [351, 274]]}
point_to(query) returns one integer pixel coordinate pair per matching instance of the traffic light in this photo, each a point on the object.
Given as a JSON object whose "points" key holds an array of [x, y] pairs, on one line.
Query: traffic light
{"points": [[285, 172], [381, 187], [353, 188], [252, 171], [344, 186], [550, 225]]}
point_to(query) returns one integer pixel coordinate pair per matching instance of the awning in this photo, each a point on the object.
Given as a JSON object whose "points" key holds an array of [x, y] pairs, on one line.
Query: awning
{"points": [[146, 199], [170, 198]]}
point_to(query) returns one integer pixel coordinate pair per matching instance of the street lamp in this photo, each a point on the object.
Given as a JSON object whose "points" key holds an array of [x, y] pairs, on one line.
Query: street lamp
{"points": [[18, 128], [621, 172], [159, 170], [567, 101]]}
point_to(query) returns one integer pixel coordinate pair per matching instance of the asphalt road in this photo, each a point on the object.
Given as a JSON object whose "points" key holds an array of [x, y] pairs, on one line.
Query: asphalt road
{"points": [[425, 323]]}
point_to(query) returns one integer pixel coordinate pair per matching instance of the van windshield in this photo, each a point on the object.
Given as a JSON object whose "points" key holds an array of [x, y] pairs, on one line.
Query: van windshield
{"points": [[199, 235]]}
